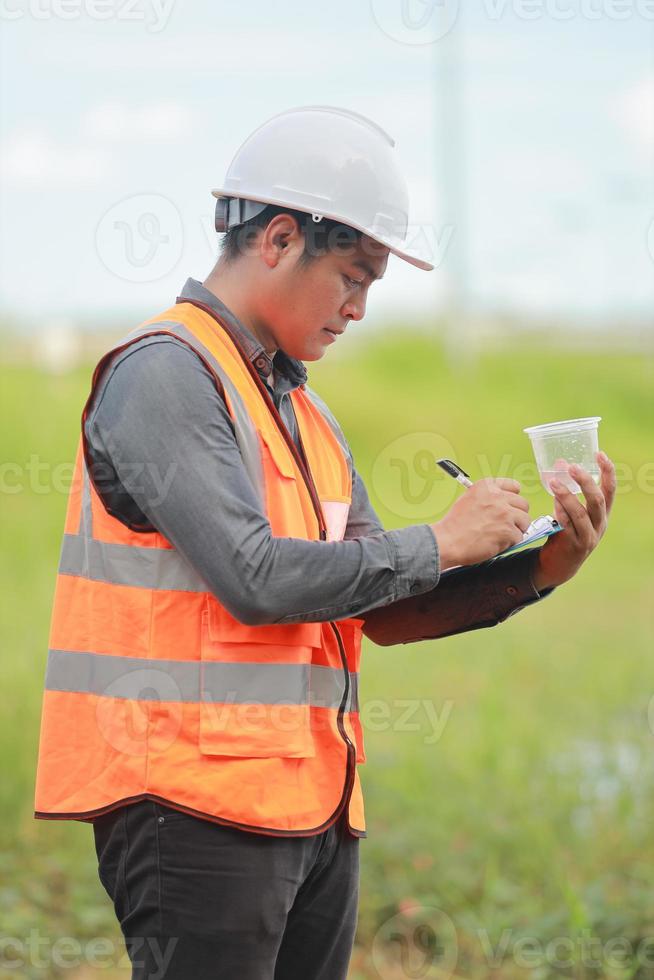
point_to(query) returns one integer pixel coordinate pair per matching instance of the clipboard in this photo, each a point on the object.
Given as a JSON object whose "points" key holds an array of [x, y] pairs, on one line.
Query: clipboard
{"points": [[542, 527]]}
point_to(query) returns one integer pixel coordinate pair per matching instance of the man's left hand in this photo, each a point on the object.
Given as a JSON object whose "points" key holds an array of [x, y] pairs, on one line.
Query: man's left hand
{"points": [[563, 553]]}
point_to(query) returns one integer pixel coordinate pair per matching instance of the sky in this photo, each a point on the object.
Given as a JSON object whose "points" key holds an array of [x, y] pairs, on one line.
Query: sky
{"points": [[525, 129]]}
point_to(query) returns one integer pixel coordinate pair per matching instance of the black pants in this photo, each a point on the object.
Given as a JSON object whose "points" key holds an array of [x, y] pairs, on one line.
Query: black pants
{"points": [[199, 901]]}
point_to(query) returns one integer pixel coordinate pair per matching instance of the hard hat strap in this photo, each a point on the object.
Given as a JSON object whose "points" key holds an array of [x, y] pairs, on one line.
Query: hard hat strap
{"points": [[233, 211]]}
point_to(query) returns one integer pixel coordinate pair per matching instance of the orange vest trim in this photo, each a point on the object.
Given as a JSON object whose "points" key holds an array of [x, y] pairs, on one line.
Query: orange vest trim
{"points": [[154, 691]]}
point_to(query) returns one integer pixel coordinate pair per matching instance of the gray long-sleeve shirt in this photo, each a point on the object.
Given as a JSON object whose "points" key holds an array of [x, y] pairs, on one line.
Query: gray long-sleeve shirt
{"points": [[164, 455]]}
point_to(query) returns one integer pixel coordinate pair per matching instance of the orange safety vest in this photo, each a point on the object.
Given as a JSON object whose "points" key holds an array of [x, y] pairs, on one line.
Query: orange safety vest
{"points": [[153, 690]]}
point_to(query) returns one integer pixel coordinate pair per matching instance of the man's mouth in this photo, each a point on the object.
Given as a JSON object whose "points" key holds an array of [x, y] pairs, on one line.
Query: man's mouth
{"points": [[334, 333]]}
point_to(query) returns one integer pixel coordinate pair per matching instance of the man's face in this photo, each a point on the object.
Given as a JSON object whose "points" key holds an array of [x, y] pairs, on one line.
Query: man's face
{"points": [[309, 306]]}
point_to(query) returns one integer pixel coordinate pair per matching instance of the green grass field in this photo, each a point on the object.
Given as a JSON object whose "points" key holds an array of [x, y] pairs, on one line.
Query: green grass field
{"points": [[515, 840]]}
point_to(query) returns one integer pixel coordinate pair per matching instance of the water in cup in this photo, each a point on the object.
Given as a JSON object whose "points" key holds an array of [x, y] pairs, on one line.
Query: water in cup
{"points": [[563, 477]]}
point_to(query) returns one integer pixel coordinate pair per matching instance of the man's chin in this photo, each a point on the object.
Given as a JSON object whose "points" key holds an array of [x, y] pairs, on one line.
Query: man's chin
{"points": [[311, 352]]}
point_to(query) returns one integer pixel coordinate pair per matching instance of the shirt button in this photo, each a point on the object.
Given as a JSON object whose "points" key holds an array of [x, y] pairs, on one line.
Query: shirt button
{"points": [[415, 587], [511, 589], [160, 819]]}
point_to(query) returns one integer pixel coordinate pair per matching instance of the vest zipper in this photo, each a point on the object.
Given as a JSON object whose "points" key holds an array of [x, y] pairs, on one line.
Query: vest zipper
{"points": [[351, 749], [309, 478], [306, 474]]}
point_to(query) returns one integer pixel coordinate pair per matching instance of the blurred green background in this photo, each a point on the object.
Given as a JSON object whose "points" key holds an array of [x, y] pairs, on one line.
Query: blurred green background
{"points": [[526, 822]]}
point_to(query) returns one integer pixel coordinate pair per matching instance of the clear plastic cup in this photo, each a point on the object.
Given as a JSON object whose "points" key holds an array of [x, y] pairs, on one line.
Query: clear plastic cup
{"points": [[557, 445]]}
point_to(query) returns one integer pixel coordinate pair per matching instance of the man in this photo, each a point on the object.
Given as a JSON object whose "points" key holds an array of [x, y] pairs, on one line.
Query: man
{"points": [[220, 562]]}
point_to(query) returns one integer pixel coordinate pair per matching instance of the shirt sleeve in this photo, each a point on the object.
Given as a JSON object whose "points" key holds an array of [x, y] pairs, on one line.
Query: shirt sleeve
{"points": [[467, 598], [164, 440]]}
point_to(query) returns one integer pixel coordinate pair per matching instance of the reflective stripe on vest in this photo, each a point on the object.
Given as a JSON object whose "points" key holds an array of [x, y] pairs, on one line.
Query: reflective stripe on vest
{"points": [[182, 680]]}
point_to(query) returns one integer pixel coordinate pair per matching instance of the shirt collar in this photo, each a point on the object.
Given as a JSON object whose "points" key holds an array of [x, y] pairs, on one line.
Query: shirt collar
{"points": [[291, 368]]}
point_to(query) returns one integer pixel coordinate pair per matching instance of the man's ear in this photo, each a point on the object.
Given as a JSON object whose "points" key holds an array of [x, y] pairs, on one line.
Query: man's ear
{"points": [[281, 237]]}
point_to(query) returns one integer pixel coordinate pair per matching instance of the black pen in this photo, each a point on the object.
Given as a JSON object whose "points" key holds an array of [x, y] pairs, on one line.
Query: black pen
{"points": [[455, 470]]}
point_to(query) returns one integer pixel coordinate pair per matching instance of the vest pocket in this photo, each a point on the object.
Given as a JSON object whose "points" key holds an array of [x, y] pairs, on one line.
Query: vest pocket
{"points": [[254, 691], [274, 448]]}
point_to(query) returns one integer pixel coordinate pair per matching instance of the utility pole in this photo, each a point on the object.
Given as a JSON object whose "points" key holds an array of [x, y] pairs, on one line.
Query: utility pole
{"points": [[452, 206]]}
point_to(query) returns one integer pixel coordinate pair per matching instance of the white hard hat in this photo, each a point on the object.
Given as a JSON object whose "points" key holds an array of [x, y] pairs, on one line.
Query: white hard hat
{"points": [[328, 162]]}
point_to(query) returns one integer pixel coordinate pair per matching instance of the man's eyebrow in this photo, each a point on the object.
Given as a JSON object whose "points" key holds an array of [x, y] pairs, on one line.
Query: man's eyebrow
{"points": [[362, 264]]}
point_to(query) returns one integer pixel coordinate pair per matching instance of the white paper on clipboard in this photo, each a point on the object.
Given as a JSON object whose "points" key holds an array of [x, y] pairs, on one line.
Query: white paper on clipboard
{"points": [[542, 527]]}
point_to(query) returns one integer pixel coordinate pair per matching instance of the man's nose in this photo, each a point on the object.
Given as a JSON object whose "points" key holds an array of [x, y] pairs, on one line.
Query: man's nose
{"points": [[355, 309]]}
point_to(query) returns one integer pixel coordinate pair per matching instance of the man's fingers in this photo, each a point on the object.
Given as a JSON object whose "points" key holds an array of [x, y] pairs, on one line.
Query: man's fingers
{"points": [[608, 480], [586, 523], [561, 513], [595, 503], [504, 483], [575, 510], [522, 520], [561, 497]]}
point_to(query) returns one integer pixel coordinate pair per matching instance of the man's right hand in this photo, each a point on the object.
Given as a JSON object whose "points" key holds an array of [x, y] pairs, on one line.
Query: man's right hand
{"points": [[489, 517]]}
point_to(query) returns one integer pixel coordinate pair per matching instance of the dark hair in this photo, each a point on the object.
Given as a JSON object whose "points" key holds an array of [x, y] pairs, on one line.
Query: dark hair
{"points": [[319, 237]]}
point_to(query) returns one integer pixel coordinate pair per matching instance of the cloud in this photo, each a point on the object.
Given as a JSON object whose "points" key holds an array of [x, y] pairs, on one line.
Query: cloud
{"points": [[494, 50], [544, 170], [115, 122], [31, 158], [633, 110], [251, 53]]}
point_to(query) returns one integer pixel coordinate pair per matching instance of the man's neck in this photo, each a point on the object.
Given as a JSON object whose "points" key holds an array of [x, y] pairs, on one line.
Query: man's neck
{"points": [[224, 289]]}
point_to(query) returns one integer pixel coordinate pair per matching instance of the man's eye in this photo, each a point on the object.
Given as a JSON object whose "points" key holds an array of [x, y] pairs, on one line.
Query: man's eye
{"points": [[353, 282]]}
